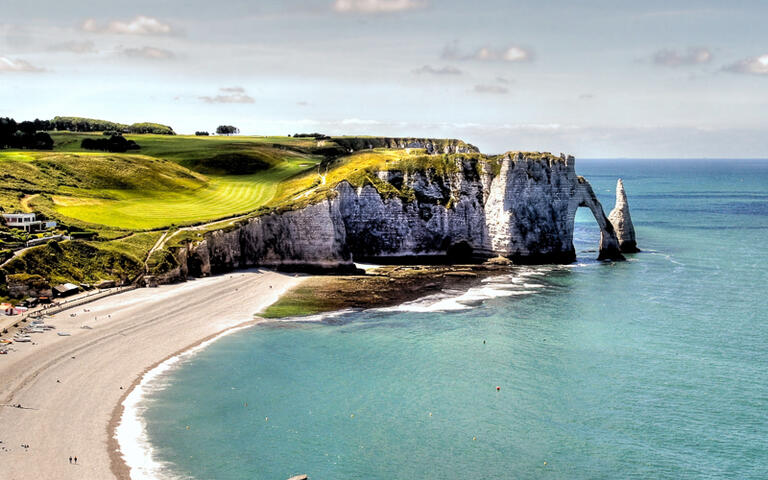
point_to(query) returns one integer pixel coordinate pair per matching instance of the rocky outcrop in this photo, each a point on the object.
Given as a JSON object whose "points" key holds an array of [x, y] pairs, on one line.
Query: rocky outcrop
{"points": [[622, 221], [520, 206]]}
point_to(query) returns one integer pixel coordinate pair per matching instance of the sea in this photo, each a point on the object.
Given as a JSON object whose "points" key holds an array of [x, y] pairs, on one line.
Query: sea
{"points": [[653, 368]]}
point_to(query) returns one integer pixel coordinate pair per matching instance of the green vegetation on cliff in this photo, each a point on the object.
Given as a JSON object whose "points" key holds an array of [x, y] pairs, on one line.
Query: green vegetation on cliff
{"points": [[123, 204]]}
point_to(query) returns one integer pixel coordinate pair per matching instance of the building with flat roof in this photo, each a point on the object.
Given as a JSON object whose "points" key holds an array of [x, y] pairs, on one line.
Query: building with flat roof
{"points": [[27, 221]]}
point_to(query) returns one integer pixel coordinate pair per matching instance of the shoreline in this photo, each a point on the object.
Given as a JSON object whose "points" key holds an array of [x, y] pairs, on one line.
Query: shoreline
{"points": [[118, 465], [116, 462], [459, 287], [68, 385]]}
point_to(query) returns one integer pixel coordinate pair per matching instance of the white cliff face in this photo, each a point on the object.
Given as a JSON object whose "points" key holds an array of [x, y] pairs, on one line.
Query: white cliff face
{"points": [[524, 212], [448, 213], [622, 221]]}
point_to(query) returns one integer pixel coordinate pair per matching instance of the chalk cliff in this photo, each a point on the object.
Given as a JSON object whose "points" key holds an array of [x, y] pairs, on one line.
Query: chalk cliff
{"points": [[521, 206], [622, 221]]}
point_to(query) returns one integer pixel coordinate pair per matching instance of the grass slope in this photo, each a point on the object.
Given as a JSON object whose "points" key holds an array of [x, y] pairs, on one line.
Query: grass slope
{"points": [[140, 191], [130, 199]]}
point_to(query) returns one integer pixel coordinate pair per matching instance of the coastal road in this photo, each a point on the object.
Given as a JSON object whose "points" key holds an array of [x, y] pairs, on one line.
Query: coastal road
{"points": [[69, 387]]}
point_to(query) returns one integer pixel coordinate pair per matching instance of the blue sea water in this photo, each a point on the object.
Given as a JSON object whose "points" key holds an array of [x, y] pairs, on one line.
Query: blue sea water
{"points": [[652, 368]]}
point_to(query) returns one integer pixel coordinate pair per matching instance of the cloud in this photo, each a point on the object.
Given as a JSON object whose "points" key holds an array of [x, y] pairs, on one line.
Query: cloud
{"points": [[359, 121], [376, 6], [504, 80], [586, 96], [753, 66], [494, 89], [148, 53], [229, 95], [512, 53], [74, 47], [430, 70], [302, 103], [675, 58], [140, 25], [17, 65]]}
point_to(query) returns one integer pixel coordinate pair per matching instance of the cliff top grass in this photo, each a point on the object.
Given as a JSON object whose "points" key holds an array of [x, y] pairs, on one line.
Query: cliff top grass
{"points": [[128, 200], [362, 168], [538, 156]]}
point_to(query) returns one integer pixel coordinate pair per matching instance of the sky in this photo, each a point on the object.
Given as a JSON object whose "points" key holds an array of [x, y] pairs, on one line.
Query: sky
{"points": [[594, 78]]}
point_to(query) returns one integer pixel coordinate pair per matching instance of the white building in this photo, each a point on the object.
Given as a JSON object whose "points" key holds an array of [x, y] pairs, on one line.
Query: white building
{"points": [[27, 221]]}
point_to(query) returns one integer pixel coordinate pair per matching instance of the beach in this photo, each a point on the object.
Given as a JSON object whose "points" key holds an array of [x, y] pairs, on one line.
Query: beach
{"points": [[71, 388]]}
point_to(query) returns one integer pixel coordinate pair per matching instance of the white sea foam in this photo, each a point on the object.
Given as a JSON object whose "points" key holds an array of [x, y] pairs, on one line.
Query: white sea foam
{"points": [[131, 432], [493, 287]]}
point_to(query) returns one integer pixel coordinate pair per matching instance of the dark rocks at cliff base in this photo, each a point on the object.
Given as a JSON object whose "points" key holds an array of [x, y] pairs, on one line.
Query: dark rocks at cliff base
{"points": [[622, 221]]}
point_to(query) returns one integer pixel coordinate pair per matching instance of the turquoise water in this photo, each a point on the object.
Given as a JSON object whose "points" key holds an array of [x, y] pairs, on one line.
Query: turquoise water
{"points": [[652, 368]]}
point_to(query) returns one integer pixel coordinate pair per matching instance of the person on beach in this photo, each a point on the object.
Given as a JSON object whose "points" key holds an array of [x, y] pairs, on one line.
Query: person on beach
{"points": [[75, 460], [70, 459]]}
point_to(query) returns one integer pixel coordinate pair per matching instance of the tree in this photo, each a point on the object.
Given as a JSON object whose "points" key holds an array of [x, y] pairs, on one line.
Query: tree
{"points": [[24, 135], [115, 143], [202, 134], [227, 130]]}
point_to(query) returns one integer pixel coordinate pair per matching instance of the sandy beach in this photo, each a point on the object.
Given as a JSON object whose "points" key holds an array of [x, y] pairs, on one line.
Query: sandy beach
{"points": [[71, 387]]}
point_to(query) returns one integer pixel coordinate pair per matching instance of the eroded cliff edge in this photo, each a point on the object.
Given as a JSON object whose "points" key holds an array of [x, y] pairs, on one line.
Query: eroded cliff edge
{"points": [[521, 206]]}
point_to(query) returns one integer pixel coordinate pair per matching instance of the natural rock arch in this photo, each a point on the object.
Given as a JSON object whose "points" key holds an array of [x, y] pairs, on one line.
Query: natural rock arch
{"points": [[585, 197]]}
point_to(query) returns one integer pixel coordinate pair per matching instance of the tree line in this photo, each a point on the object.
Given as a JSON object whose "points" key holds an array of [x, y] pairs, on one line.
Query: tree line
{"points": [[25, 134], [316, 136], [81, 124]]}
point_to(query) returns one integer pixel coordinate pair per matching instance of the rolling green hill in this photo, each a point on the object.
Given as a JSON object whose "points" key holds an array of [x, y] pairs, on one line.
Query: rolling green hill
{"points": [[129, 201]]}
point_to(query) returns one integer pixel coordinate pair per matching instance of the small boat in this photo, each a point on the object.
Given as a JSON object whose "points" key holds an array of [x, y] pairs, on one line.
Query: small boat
{"points": [[21, 339], [63, 334], [36, 330], [6, 341]]}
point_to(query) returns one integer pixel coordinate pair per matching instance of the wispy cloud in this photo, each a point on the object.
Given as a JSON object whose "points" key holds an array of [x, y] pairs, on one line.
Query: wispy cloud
{"points": [[682, 13], [229, 95], [8, 65], [430, 70], [511, 53], [586, 96], [360, 121], [377, 6], [678, 58], [140, 25], [74, 47], [753, 66], [493, 89], [148, 53]]}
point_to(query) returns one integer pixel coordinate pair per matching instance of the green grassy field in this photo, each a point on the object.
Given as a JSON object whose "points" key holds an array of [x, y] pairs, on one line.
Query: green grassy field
{"points": [[172, 180], [220, 197], [128, 200]]}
